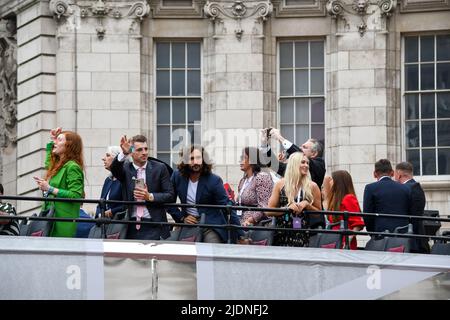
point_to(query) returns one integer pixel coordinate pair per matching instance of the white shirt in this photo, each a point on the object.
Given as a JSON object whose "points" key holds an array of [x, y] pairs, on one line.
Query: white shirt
{"points": [[191, 196]]}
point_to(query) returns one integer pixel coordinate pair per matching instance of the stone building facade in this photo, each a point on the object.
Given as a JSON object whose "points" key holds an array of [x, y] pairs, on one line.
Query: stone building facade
{"points": [[371, 78]]}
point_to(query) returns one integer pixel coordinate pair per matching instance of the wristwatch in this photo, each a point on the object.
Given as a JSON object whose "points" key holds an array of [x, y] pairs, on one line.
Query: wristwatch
{"points": [[151, 197]]}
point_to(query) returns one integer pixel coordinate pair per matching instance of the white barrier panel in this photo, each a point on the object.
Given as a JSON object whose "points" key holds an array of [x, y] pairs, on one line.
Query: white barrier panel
{"points": [[54, 268]]}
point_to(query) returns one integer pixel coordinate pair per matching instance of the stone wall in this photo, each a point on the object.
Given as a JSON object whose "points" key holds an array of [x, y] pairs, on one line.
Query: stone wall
{"points": [[91, 69]]}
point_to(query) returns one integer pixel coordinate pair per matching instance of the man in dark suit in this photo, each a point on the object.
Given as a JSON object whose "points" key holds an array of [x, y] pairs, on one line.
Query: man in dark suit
{"points": [[385, 196], [143, 179], [404, 175], [312, 149], [194, 183]]}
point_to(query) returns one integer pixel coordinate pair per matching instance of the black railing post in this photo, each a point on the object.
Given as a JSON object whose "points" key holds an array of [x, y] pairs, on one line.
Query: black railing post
{"points": [[347, 244], [102, 205], [229, 210]]}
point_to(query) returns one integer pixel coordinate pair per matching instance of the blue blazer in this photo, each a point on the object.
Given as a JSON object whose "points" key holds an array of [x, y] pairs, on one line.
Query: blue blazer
{"points": [[114, 188], [388, 197], [210, 190]]}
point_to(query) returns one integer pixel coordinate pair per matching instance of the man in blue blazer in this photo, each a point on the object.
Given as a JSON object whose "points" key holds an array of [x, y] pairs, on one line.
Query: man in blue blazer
{"points": [[143, 179], [194, 183], [404, 175], [386, 196]]}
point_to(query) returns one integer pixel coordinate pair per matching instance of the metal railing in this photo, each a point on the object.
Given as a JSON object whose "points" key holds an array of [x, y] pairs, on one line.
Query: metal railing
{"points": [[228, 209]]}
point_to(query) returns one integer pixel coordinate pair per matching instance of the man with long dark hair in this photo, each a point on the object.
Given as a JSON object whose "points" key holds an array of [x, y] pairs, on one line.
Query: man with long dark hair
{"points": [[194, 183]]}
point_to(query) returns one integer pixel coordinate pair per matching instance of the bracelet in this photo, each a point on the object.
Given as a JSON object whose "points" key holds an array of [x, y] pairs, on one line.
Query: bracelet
{"points": [[51, 189]]}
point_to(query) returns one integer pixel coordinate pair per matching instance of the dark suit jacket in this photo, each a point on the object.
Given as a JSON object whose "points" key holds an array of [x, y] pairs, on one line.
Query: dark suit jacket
{"points": [[316, 166], [388, 197], [158, 183], [210, 190], [418, 202], [114, 187]]}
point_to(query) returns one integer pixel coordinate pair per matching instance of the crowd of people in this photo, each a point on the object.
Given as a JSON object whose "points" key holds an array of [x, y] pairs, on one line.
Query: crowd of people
{"points": [[297, 182]]}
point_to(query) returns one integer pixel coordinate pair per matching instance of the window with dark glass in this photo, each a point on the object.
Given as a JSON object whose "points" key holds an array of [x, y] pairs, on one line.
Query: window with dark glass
{"points": [[427, 103], [178, 97], [301, 90]]}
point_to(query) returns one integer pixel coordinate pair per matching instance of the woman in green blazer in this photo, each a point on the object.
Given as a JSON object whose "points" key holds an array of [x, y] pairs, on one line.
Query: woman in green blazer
{"points": [[64, 179]]}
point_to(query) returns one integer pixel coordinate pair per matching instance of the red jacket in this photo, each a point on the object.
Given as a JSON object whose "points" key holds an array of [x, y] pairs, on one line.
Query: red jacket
{"points": [[349, 203]]}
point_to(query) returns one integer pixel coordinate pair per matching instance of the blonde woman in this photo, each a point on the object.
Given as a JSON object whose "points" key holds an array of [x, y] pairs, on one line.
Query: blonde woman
{"points": [[297, 192]]}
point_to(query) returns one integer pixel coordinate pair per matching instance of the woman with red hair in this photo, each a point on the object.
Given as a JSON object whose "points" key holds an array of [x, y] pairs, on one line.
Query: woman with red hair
{"points": [[64, 178]]}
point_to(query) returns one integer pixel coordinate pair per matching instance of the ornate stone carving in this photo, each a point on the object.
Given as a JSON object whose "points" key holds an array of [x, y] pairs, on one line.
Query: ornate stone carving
{"points": [[61, 8], [238, 10], [336, 9], [100, 9], [8, 83], [387, 7]]}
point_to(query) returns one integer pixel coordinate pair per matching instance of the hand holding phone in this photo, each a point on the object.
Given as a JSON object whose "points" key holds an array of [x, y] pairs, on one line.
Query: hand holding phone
{"points": [[139, 183]]}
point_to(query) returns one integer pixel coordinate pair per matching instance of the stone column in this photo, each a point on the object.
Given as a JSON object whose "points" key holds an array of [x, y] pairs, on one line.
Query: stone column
{"points": [[36, 94], [362, 109], [8, 105], [98, 74], [234, 80]]}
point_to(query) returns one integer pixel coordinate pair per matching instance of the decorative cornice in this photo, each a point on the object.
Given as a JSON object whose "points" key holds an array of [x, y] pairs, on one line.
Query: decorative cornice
{"points": [[8, 83], [100, 9], [238, 10], [336, 9]]}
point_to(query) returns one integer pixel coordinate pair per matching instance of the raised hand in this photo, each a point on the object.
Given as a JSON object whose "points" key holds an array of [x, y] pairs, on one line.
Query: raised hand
{"points": [[275, 133], [125, 144], [54, 133]]}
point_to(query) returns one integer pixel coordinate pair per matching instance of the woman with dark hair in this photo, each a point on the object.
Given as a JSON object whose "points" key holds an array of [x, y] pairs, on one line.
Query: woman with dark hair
{"points": [[255, 187], [64, 178], [340, 196]]}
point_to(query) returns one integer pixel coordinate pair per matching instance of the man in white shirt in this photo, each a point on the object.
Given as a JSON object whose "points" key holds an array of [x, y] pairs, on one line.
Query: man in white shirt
{"points": [[194, 183]]}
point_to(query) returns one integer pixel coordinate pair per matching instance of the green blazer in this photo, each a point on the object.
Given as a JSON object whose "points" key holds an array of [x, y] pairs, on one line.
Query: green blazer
{"points": [[69, 180]]}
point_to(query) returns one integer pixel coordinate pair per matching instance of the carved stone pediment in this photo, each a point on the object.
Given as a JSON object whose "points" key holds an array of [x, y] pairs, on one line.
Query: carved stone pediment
{"points": [[100, 9], [238, 10], [346, 9]]}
